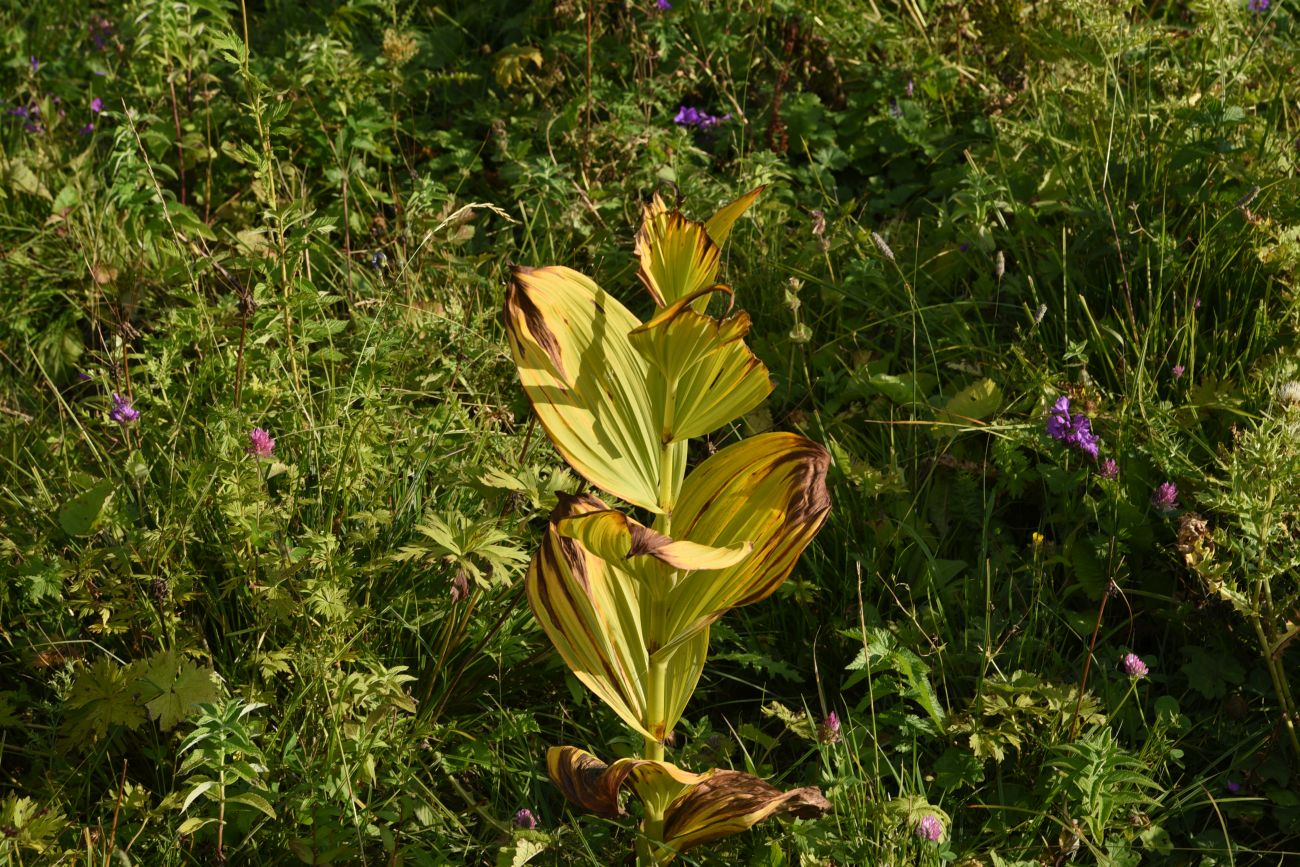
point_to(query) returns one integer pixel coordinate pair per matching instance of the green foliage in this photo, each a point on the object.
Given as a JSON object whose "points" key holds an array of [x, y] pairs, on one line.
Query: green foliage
{"points": [[310, 233]]}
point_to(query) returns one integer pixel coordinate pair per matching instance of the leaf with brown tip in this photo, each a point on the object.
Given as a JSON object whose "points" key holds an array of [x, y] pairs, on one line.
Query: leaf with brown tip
{"points": [[728, 802]]}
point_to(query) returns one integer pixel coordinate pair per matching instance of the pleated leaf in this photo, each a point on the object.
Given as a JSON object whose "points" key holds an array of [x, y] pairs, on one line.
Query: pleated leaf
{"points": [[728, 802], [593, 611], [712, 376], [706, 807], [768, 490], [681, 256], [592, 614], [585, 381], [594, 786], [616, 538], [719, 225]]}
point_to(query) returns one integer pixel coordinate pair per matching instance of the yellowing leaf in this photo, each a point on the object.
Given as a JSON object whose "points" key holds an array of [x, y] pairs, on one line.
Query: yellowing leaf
{"points": [[704, 807], [584, 379], [592, 610], [708, 375], [510, 63], [769, 490], [614, 537], [678, 256], [728, 802], [592, 615], [719, 225], [593, 785]]}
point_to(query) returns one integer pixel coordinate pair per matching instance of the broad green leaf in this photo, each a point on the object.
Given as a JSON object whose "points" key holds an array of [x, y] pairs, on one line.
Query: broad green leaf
{"points": [[80, 515], [709, 376], [976, 402], [195, 792], [254, 800], [585, 381], [768, 490]]}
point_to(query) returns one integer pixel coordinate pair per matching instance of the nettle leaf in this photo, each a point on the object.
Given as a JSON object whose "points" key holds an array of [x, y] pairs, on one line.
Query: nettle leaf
{"points": [[105, 695], [176, 686]]}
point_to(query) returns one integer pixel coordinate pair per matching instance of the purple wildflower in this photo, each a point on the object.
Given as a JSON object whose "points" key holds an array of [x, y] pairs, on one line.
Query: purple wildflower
{"points": [[33, 63], [1257, 5], [122, 411], [83, 376], [260, 444], [1109, 469], [1058, 420], [1178, 370], [1165, 497], [829, 732], [1073, 430], [97, 105], [691, 116], [663, 5], [1133, 666], [910, 89], [100, 28], [1233, 788], [19, 111], [87, 129], [525, 819], [930, 828]]}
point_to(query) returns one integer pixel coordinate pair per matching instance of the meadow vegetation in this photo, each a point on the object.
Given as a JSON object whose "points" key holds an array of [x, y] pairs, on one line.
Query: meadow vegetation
{"points": [[269, 484]]}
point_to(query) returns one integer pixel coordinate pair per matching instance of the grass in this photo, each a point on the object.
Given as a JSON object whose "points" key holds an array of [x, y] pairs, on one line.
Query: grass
{"points": [[300, 216]]}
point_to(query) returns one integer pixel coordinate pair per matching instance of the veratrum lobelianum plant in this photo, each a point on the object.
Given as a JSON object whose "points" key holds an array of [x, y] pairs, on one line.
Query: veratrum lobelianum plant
{"points": [[629, 606]]}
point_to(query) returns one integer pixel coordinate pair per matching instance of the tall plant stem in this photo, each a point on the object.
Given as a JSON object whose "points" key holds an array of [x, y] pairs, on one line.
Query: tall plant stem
{"points": [[657, 675]]}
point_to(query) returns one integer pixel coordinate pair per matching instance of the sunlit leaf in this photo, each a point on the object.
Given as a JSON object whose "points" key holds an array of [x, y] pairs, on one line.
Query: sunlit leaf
{"points": [[176, 687], [680, 256], [585, 381], [614, 537], [707, 374], [768, 490], [593, 610]]}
